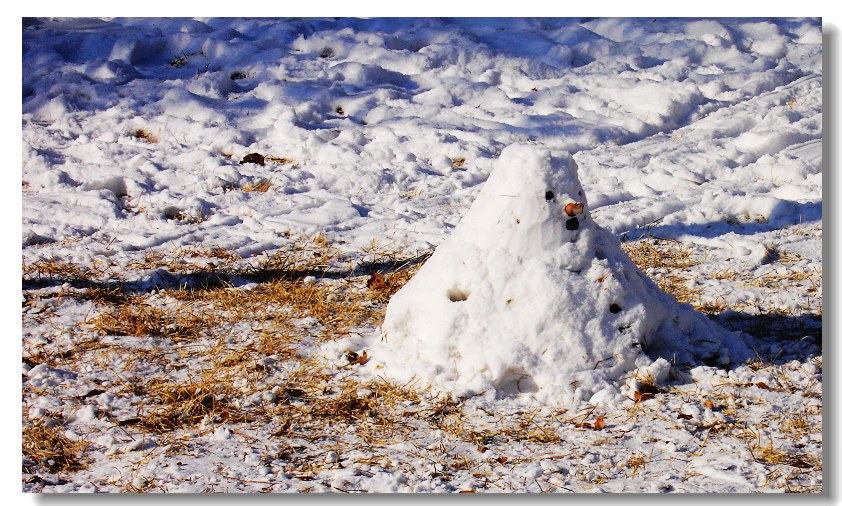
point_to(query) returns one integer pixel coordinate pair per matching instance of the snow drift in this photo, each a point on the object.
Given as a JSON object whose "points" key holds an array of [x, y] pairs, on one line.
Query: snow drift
{"points": [[529, 295]]}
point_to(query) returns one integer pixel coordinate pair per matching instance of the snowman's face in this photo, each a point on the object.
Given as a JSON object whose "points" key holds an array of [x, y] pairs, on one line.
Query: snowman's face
{"points": [[571, 210]]}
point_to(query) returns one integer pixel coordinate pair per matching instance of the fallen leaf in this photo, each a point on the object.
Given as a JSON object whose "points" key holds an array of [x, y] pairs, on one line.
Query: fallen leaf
{"points": [[682, 416], [355, 358], [502, 460], [467, 491], [708, 404], [599, 424], [762, 385], [376, 282], [643, 396]]}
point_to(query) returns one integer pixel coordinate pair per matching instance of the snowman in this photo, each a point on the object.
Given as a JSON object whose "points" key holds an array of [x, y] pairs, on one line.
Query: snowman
{"points": [[530, 297]]}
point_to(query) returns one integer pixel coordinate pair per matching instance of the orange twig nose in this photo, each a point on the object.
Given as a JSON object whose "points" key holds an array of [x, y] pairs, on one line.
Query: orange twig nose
{"points": [[574, 208]]}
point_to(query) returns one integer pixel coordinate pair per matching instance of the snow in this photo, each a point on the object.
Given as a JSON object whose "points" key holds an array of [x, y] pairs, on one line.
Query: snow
{"points": [[423, 135]]}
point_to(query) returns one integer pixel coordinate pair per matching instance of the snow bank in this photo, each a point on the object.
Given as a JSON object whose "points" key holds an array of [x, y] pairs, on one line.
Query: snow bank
{"points": [[529, 295]]}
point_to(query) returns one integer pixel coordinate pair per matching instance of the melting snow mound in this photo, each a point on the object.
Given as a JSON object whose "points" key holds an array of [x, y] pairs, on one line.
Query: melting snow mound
{"points": [[530, 296]]}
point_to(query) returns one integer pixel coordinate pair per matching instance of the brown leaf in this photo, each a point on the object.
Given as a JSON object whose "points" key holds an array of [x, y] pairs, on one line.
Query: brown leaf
{"points": [[643, 396], [502, 460], [355, 358], [376, 282], [599, 424], [708, 404], [762, 385], [471, 491], [682, 416]]}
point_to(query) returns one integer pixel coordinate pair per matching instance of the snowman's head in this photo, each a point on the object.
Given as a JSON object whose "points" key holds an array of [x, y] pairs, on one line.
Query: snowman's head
{"points": [[532, 200]]}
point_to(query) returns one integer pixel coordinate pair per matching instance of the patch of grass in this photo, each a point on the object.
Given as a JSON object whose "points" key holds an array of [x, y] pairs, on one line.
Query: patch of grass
{"points": [[141, 319], [144, 135], [663, 261], [56, 269], [336, 310], [190, 260], [301, 254], [635, 463], [261, 185], [769, 455], [381, 292], [49, 448], [105, 295], [281, 160], [185, 405]]}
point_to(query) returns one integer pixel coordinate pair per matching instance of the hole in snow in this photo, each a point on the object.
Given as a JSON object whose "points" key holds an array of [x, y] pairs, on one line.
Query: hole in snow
{"points": [[457, 295], [572, 223], [515, 381], [614, 308], [115, 185], [174, 213], [549, 195]]}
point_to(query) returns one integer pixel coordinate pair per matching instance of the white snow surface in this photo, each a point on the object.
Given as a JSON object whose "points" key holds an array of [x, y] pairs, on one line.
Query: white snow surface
{"points": [[386, 131]]}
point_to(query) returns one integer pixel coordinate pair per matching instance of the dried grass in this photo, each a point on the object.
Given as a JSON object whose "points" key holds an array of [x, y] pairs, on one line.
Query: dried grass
{"points": [[144, 135], [56, 269], [141, 319], [318, 401], [302, 255], [261, 185], [185, 405], [281, 160], [663, 261], [47, 446]]}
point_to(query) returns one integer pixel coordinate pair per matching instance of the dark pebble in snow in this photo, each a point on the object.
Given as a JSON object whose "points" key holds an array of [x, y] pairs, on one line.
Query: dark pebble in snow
{"points": [[614, 308], [572, 224]]}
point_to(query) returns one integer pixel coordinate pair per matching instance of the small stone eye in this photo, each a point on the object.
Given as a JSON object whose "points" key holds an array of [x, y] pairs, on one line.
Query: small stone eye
{"points": [[549, 195]]}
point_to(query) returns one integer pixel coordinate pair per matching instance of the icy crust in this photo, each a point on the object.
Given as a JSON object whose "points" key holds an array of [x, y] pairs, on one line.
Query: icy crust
{"points": [[519, 301]]}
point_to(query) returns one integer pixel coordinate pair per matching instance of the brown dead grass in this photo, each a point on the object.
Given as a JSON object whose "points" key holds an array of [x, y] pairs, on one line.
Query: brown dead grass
{"points": [[56, 269], [144, 135], [174, 405], [665, 263], [47, 446], [261, 185], [139, 318], [315, 400]]}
